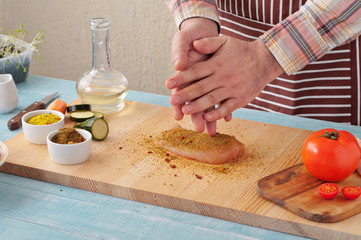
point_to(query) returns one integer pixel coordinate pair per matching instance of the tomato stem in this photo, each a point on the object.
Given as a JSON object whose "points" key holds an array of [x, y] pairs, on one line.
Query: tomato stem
{"points": [[333, 135]]}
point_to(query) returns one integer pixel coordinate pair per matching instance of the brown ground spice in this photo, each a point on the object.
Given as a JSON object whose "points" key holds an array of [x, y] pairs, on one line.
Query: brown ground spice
{"points": [[68, 136]]}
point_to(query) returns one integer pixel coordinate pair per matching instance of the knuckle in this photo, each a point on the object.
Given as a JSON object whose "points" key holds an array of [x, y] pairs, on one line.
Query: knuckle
{"points": [[212, 98], [201, 87], [195, 71]]}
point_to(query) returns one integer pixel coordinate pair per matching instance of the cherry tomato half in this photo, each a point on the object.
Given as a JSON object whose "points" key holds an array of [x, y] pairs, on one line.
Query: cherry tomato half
{"points": [[351, 192], [328, 190], [331, 155]]}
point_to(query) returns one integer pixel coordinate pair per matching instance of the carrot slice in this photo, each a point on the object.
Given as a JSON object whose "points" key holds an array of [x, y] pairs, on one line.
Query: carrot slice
{"points": [[58, 105]]}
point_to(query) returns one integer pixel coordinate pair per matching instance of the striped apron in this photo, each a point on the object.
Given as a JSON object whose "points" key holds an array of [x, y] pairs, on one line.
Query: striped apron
{"points": [[328, 89]]}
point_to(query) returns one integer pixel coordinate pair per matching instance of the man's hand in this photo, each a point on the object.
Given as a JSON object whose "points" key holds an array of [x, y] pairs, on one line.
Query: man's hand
{"points": [[184, 55], [234, 75]]}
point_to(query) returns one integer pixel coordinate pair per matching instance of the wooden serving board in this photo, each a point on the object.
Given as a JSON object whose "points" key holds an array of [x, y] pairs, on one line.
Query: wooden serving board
{"points": [[126, 166], [295, 189]]}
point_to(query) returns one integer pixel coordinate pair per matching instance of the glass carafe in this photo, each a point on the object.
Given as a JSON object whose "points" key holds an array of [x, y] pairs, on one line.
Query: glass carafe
{"points": [[102, 87]]}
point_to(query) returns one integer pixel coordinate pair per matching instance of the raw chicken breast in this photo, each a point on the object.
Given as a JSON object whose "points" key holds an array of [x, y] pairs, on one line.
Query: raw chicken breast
{"points": [[218, 149]]}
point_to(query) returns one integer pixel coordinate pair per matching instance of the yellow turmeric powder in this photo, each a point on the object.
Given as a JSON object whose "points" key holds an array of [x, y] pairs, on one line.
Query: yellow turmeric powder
{"points": [[44, 119]]}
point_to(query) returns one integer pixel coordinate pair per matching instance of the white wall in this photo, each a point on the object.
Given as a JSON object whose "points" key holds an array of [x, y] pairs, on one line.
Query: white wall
{"points": [[141, 35]]}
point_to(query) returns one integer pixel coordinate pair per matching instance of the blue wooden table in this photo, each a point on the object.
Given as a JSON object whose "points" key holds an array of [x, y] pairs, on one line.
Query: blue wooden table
{"points": [[31, 209]]}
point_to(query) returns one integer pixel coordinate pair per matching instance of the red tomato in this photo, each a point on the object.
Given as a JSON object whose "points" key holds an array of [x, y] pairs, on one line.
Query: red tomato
{"points": [[351, 192], [331, 155], [328, 190]]}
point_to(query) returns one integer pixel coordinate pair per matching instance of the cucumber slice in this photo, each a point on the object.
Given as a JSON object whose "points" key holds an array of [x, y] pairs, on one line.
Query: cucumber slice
{"points": [[81, 116], [98, 114], [98, 127], [78, 107]]}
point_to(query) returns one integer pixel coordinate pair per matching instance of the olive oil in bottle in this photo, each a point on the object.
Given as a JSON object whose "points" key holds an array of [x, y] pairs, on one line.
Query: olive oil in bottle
{"points": [[103, 87]]}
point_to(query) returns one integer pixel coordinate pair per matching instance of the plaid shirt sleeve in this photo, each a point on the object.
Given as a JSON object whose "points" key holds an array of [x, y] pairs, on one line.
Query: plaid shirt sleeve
{"points": [[184, 9], [311, 32]]}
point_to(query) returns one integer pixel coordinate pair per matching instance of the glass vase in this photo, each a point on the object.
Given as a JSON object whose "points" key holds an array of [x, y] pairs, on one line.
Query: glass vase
{"points": [[103, 87]]}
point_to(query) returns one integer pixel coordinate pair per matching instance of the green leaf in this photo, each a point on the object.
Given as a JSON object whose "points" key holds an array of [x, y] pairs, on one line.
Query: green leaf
{"points": [[10, 47]]}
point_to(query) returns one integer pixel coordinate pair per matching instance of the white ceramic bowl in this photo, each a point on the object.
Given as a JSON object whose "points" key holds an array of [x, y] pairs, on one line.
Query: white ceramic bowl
{"points": [[68, 154], [4, 153], [37, 133]]}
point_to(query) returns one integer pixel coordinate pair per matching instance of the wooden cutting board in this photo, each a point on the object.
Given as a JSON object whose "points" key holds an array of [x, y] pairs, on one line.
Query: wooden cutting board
{"points": [[126, 166], [295, 189]]}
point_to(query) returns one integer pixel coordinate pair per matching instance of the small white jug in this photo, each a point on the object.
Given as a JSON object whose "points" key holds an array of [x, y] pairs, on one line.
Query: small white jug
{"points": [[9, 98]]}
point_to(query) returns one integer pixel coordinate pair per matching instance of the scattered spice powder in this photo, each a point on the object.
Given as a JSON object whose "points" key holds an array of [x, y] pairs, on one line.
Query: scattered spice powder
{"points": [[237, 169], [44, 119], [153, 148], [221, 169], [188, 139], [198, 176]]}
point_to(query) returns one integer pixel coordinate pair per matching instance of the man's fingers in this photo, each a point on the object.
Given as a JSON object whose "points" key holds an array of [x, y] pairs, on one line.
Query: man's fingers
{"points": [[206, 101], [194, 57], [198, 122], [228, 117], [180, 49], [209, 45], [223, 111], [177, 113], [190, 77], [210, 126], [177, 110]]}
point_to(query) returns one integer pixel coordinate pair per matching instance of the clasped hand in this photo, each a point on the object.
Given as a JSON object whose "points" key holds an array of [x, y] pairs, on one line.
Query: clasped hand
{"points": [[232, 75]]}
